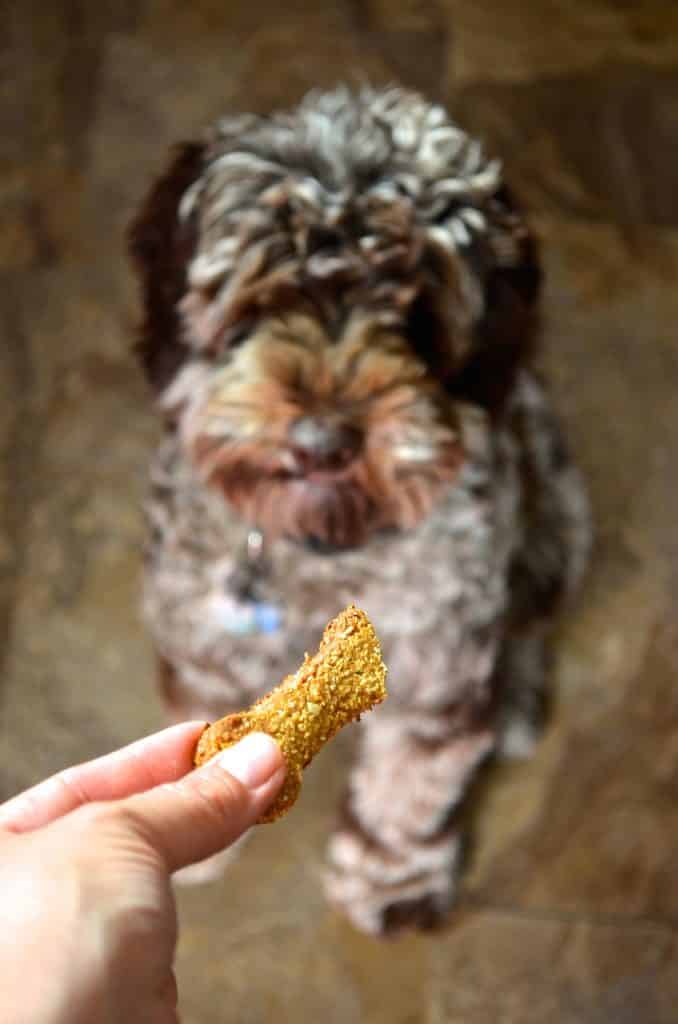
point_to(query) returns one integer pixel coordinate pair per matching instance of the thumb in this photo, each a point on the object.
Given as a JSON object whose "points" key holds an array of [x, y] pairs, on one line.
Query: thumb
{"points": [[211, 807]]}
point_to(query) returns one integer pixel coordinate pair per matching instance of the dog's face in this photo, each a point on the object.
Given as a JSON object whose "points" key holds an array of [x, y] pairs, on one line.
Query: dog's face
{"points": [[320, 438], [320, 289]]}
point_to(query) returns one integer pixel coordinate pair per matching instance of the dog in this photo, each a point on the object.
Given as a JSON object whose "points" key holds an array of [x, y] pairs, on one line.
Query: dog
{"points": [[340, 314]]}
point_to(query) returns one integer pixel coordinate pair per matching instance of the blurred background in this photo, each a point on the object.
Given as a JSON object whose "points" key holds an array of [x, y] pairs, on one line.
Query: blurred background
{"points": [[569, 909]]}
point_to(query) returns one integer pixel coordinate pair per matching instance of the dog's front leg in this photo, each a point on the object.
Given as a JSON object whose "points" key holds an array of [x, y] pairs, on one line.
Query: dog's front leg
{"points": [[395, 858]]}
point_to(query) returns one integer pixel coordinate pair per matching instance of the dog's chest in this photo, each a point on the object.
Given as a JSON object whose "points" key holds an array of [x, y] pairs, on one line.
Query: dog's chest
{"points": [[215, 594]]}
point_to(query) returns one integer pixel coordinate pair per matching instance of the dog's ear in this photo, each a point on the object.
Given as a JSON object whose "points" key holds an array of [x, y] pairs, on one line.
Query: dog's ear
{"points": [[161, 247], [504, 337], [480, 365]]}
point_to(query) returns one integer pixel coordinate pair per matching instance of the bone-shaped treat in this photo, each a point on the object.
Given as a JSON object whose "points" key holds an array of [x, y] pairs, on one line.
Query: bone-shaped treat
{"points": [[332, 688]]}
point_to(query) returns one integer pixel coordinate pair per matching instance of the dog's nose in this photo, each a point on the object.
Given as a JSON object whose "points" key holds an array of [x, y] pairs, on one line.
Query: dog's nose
{"points": [[324, 441]]}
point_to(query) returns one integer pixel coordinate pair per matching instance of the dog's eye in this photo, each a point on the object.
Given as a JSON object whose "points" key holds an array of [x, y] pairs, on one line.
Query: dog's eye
{"points": [[321, 238]]}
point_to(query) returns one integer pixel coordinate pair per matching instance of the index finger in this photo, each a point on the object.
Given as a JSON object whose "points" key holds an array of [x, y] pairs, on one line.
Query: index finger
{"points": [[163, 757]]}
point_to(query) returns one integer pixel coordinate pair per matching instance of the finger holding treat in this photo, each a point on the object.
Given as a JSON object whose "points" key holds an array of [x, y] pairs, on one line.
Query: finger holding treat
{"points": [[334, 687]]}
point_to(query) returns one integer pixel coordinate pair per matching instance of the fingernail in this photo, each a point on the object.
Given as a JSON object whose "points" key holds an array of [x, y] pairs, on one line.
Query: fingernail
{"points": [[252, 761]]}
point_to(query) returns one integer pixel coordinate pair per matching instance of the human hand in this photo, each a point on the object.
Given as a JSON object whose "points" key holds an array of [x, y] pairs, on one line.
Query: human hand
{"points": [[88, 914]]}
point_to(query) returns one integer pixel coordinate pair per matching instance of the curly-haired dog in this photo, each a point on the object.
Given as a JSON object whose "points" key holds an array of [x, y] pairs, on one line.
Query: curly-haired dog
{"points": [[339, 323]]}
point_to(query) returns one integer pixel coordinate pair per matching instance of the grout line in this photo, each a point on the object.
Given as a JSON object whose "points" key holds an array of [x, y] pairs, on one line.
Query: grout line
{"points": [[476, 904], [368, 33]]}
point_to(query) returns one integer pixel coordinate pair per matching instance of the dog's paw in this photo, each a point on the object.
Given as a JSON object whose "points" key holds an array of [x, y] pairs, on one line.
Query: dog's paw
{"points": [[383, 891], [425, 913]]}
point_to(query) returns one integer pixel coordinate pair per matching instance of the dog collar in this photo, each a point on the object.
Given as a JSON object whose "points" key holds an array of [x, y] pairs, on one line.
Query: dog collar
{"points": [[250, 608]]}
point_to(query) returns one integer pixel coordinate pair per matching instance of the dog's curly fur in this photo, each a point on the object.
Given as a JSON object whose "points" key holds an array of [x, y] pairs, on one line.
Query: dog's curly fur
{"points": [[339, 326]]}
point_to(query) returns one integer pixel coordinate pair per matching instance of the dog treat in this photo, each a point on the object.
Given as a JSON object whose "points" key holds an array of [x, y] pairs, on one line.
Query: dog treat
{"points": [[332, 688]]}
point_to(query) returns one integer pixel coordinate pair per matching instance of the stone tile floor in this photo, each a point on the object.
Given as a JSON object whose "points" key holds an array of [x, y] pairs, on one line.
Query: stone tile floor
{"points": [[569, 911]]}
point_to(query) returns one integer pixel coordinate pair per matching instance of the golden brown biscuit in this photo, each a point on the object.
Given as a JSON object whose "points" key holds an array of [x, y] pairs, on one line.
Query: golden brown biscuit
{"points": [[346, 677]]}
